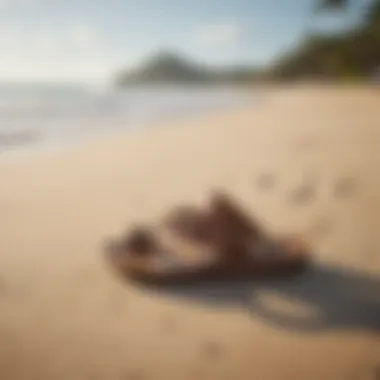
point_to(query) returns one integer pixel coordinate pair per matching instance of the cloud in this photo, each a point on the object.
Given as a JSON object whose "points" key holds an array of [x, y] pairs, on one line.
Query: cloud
{"points": [[225, 34], [78, 37], [72, 51]]}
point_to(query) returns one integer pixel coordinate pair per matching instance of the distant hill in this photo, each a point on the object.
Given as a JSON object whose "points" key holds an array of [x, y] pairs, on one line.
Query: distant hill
{"points": [[167, 67]]}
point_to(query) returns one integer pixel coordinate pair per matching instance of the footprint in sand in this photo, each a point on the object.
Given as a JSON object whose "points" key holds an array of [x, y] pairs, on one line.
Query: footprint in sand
{"points": [[345, 187], [304, 193], [212, 350], [266, 181]]}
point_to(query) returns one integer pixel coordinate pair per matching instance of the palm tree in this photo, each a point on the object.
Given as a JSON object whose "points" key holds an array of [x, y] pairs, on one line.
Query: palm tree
{"points": [[365, 45], [355, 53]]}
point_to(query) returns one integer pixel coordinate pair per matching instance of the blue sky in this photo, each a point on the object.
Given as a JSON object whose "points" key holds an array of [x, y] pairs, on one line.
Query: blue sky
{"points": [[88, 40]]}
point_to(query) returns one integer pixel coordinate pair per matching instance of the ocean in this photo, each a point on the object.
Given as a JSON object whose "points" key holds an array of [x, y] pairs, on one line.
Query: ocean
{"points": [[41, 116]]}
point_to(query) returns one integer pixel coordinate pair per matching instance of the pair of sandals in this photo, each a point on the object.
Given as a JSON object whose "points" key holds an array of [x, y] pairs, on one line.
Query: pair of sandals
{"points": [[232, 246]]}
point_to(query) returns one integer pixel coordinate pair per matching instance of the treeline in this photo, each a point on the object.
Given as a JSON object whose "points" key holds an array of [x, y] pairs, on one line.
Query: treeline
{"points": [[354, 54]]}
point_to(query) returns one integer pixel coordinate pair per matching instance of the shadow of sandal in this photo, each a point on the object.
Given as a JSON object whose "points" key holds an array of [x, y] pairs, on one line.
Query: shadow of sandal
{"points": [[339, 298]]}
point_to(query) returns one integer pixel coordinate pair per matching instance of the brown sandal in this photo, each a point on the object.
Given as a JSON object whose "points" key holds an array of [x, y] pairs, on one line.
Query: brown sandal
{"points": [[284, 257]]}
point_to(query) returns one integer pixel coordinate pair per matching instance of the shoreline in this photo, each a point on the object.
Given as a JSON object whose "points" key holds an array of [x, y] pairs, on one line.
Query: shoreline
{"points": [[50, 149], [28, 139]]}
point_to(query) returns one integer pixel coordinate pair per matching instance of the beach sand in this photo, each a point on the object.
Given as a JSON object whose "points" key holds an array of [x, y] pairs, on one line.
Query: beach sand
{"points": [[304, 160]]}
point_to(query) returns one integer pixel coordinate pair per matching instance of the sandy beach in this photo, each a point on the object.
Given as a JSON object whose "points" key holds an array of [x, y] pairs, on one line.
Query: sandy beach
{"points": [[303, 160]]}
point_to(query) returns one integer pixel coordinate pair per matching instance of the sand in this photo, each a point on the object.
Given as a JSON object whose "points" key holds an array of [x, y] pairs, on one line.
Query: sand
{"points": [[304, 160]]}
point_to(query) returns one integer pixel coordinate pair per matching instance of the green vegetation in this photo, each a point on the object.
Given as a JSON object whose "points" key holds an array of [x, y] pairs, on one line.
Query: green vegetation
{"points": [[349, 56]]}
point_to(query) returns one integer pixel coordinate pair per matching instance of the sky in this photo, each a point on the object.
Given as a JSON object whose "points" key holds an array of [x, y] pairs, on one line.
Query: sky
{"points": [[91, 40]]}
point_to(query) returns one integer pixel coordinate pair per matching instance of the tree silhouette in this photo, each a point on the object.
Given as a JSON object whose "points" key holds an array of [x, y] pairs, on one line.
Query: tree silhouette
{"points": [[353, 54]]}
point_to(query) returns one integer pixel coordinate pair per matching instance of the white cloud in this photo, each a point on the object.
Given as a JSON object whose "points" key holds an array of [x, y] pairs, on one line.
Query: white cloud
{"points": [[77, 37], [73, 51], [220, 34]]}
